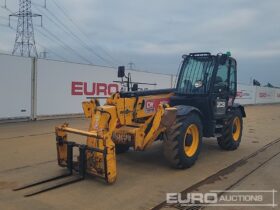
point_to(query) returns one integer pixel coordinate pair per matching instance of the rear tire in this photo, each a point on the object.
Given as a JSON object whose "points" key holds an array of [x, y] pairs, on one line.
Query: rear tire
{"points": [[182, 141], [121, 148], [232, 133]]}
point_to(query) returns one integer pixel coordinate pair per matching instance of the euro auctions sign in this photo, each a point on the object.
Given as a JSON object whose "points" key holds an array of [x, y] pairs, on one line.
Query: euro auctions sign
{"points": [[224, 198], [79, 88], [265, 95], [243, 94]]}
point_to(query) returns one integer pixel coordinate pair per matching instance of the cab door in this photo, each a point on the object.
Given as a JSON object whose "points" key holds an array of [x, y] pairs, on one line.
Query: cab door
{"points": [[232, 81], [221, 93]]}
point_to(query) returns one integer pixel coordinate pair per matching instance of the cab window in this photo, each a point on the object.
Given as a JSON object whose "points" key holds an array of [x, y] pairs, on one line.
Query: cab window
{"points": [[221, 80]]}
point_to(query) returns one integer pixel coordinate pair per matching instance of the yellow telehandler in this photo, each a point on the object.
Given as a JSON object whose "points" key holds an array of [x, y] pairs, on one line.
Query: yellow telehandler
{"points": [[201, 105]]}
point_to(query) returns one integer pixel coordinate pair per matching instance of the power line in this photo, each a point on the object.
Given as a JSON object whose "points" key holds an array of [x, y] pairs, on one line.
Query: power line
{"points": [[58, 39], [43, 54], [5, 4], [52, 52], [68, 31], [81, 41], [67, 46], [81, 31], [52, 39], [131, 65], [6, 8]]}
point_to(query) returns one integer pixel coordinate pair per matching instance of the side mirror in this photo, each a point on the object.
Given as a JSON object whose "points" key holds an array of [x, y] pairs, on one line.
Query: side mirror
{"points": [[135, 87], [121, 71], [223, 59]]}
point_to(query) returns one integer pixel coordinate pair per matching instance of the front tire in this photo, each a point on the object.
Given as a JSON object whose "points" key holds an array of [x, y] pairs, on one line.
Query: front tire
{"points": [[182, 141], [232, 133]]}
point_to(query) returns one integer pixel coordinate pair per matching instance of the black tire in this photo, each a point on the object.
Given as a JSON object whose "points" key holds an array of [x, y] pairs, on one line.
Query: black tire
{"points": [[174, 141], [121, 148], [228, 141]]}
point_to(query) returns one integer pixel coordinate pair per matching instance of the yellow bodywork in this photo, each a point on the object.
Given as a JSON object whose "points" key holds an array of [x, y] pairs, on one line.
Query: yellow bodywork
{"points": [[133, 121]]}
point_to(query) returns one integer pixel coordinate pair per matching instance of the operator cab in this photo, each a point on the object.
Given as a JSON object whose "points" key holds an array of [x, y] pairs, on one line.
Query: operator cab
{"points": [[207, 82]]}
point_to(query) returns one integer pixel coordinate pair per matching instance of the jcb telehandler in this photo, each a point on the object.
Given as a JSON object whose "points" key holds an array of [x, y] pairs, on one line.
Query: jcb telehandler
{"points": [[201, 105]]}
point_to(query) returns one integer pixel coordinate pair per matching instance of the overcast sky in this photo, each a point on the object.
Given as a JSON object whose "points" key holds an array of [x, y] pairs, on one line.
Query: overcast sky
{"points": [[154, 34]]}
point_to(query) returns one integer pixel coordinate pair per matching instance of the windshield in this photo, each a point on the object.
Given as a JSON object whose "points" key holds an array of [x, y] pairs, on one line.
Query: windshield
{"points": [[196, 69]]}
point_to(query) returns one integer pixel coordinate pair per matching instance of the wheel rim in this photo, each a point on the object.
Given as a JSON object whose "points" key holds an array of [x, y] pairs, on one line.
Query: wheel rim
{"points": [[191, 140], [236, 130]]}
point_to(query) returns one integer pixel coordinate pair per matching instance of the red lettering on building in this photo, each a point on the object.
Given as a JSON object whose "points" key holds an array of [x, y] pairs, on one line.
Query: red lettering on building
{"points": [[265, 95], [262, 95], [242, 94], [77, 88], [239, 94], [93, 89], [112, 88], [101, 89]]}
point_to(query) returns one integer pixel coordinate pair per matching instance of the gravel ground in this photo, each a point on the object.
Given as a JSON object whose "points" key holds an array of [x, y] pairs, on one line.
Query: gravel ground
{"points": [[27, 152]]}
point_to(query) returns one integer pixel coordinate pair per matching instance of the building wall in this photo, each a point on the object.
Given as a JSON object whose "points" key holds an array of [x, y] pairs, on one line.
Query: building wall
{"points": [[246, 94], [61, 86], [15, 87], [265, 95], [36, 88]]}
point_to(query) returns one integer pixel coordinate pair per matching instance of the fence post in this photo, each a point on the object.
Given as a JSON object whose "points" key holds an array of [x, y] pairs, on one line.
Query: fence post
{"points": [[34, 89], [256, 93]]}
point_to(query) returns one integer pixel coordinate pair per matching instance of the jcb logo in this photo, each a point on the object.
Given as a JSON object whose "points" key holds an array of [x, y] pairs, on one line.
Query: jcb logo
{"points": [[221, 104]]}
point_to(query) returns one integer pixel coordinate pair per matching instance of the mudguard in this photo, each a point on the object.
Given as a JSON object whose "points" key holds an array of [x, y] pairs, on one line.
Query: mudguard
{"points": [[185, 110], [240, 107]]}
